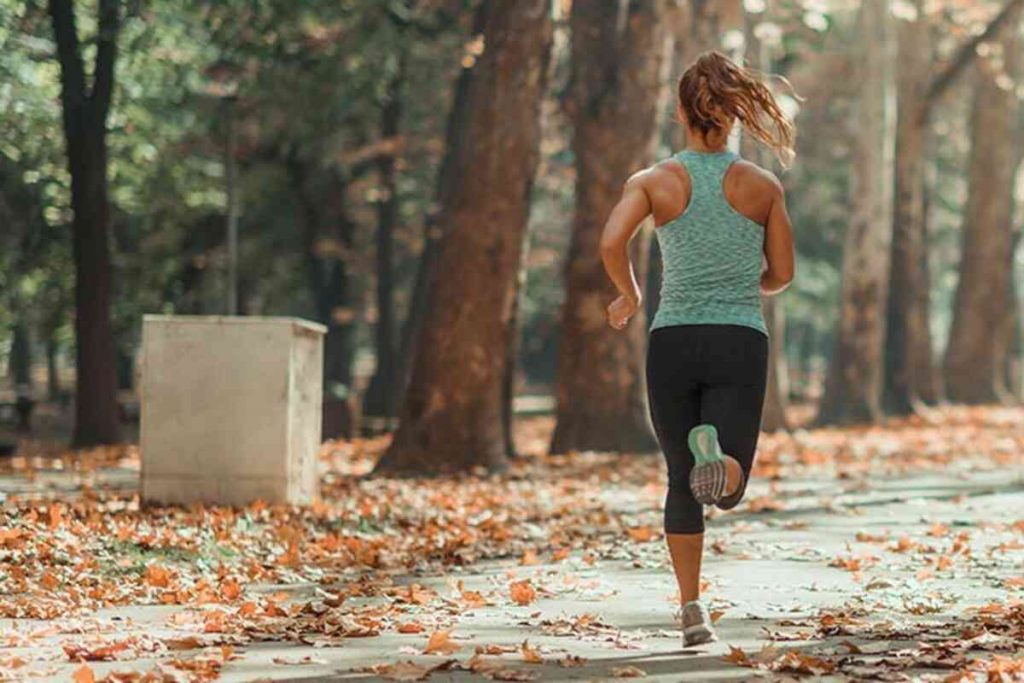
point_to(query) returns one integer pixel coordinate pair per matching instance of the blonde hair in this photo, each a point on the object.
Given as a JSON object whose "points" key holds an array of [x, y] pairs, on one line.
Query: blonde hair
{"points": [[715, 91]]}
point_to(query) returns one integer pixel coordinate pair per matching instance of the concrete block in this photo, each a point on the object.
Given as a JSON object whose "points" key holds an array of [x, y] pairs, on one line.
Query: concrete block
{"points": [[231, 409]]}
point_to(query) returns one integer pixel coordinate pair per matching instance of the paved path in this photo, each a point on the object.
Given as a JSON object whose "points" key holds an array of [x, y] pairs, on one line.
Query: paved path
{"points": [[931, 546]]}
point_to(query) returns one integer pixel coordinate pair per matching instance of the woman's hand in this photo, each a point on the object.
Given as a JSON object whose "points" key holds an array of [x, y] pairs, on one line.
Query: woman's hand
{"points": [[621, 310]]}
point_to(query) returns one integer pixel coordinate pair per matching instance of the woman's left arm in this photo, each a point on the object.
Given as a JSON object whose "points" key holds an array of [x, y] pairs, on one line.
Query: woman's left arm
{"points": [[625, 219]]}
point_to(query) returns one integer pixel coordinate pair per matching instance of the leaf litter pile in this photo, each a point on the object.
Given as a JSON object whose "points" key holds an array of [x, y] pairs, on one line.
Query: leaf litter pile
{"points": [[356, 564]]}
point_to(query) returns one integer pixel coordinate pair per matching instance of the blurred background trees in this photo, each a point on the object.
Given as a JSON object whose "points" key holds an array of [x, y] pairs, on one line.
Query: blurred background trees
{"points": [[324, 159]]}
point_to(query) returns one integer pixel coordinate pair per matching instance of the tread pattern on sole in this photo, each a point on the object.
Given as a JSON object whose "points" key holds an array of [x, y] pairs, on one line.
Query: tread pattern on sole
{"points": [[708, 482], [708, 478]]}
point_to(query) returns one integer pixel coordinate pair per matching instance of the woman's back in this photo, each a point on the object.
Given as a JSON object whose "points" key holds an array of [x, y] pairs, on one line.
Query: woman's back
{"points": [[711, 207]]}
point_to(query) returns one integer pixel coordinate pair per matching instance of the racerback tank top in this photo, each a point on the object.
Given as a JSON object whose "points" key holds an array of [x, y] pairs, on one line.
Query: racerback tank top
{"points": [[711, 254]]}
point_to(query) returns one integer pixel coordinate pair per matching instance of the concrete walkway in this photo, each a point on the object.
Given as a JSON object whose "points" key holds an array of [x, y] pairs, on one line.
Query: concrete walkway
{"points": [[865, 579]]}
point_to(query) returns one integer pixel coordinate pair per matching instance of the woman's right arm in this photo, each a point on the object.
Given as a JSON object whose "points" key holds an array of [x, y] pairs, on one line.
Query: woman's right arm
{"points": [[778, 244], [623, 223]]}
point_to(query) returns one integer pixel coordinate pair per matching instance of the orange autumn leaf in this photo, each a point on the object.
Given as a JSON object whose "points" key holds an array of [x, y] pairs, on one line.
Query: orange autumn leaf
{"points": [[49, 580], [642, 534], [522, 592], [83, 674], [56, 515], [737, 656], [473, 599], [628, 671], [529, 557], [157, 576], [230, 590], [530, 654], [440, 642], [411, 627]]}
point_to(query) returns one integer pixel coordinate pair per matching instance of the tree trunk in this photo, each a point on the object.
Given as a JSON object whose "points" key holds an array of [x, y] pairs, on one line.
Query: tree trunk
{"points": [[52, 368], [84, 112], [776, 400], [432, 229], [908, 347], [617, 78], [910, 376], [1008, 348], [451, 417], [381, 395], [971, 362], [20, 363], [853, 385]]}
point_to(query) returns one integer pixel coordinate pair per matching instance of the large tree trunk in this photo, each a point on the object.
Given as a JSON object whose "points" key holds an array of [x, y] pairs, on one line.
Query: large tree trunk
{"points": [[908, 348], [776, 401], [451, 417], [432, 228], [971, 362], [382, 394], [1008, 356], [910, 375], [618, 56], [853, 385], [85, 131]]}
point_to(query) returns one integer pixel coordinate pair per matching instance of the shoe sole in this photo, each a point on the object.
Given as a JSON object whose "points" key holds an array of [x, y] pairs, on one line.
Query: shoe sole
{"points": [[708, 478], [698, 634]]}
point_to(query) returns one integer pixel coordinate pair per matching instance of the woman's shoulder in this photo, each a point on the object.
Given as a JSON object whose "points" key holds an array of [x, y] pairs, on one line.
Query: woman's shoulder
{"points": [[748, 175], [660, 174]]}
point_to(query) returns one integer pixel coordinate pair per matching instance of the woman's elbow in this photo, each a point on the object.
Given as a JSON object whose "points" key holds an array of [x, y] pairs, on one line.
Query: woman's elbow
{"points": [[785, 274], [775, 280]]}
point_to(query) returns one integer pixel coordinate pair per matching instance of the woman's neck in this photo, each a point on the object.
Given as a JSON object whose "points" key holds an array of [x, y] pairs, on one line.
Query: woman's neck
{"points": [[699, 143], [704, 148]]}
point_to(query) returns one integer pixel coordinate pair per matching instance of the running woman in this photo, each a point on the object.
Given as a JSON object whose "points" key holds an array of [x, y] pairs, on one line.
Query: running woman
{"points": [[725, 240]]}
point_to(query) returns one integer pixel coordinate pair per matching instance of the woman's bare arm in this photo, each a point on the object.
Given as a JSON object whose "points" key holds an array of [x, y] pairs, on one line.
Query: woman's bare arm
{"points": [[625, 219], [778, 245]]}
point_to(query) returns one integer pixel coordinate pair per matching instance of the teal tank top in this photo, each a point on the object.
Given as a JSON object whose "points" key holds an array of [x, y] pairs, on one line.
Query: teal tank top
{"points": [[711, 254]]}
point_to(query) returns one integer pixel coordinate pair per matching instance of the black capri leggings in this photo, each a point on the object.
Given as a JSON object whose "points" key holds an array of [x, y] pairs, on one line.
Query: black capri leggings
{"points": [[704, 374]]}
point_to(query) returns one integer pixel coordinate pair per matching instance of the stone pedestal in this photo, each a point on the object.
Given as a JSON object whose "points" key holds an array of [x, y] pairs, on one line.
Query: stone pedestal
{"points": [[231, 409]]}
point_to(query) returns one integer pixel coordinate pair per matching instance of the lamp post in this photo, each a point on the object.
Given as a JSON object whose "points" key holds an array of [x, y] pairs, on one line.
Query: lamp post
{"points": [[223, 84], [231, 192]]}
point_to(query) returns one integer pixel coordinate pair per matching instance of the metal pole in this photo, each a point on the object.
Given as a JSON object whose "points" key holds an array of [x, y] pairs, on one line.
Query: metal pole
{"points": [[230, 181]]}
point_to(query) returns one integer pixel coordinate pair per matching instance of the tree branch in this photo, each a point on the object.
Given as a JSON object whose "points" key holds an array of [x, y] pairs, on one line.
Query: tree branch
{"points": [[965, 55], [106, 54], [62, 16]]}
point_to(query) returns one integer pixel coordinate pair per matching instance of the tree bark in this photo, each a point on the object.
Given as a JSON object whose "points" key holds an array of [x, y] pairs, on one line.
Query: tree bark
{"points": [[432, 228], [776, 401], [451, 417], [853, 385], [84, 111], [1008, 350], [971, 362], [382, 394], [20, 363], [52, 368], [910, 376], [618, 58], [908, 347]]}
